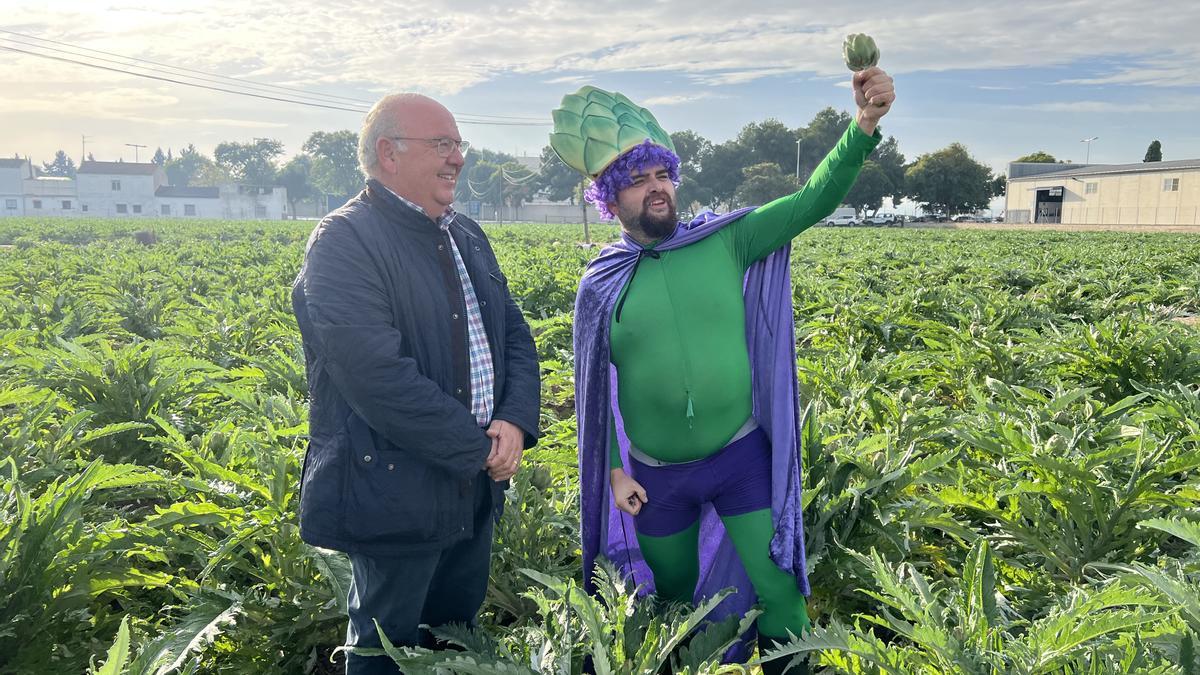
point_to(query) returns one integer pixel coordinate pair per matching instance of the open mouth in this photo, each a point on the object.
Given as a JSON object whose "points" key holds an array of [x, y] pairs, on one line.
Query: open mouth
{"points": [[448, 176]]}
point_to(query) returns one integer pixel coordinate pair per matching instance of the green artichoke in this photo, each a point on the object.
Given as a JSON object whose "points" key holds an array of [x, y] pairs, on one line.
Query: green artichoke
{"points": [[860, 52], [593, 127]]}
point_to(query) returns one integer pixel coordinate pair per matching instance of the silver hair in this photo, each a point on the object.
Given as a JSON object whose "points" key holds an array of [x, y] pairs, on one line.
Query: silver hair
{"points": [[381, 122]]}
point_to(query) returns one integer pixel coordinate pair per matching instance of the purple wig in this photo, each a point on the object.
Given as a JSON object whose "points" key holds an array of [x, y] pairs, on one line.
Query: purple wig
{"points": [[616, 177]]}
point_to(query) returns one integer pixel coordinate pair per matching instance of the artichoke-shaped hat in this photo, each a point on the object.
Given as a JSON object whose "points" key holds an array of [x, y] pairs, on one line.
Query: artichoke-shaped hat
{"points": [[593, 127]]}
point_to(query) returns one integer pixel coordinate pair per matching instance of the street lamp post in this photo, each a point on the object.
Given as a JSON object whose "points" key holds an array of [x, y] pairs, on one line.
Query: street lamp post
{"points": [[1088, 158]]}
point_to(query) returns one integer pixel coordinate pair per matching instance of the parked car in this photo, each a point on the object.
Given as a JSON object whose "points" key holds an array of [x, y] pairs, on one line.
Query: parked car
{"points": [[843, 219], [883, 218]]}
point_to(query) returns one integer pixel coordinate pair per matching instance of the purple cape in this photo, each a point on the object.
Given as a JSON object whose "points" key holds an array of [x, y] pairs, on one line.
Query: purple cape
{"points": [[770, 337]]}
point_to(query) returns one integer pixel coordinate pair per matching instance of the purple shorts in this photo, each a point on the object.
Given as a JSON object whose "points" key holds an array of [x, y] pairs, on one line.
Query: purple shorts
{"points": [[737, 480]]}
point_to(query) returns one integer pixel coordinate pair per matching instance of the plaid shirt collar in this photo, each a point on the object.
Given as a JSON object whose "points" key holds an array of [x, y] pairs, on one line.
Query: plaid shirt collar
{"points": [[443, 222]]}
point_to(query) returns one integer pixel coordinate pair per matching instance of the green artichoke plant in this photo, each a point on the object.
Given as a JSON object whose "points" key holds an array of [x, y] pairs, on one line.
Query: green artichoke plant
{"points": [[860, 52], [592, 127]]}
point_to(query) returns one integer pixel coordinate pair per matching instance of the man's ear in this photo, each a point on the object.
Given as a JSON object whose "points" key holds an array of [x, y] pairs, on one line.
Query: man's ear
{"points": [[385, 151]]}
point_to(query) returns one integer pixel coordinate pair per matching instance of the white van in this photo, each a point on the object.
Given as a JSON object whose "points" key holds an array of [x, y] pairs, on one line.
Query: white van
{"points": [[845, 215]]}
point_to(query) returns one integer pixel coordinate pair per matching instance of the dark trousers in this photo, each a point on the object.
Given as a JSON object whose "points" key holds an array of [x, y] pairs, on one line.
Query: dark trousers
{"points": [[403, 592]]}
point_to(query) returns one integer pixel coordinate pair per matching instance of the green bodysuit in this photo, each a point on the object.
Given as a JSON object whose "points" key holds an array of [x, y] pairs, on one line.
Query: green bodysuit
{"points": [[683, 370], [678, 342]]}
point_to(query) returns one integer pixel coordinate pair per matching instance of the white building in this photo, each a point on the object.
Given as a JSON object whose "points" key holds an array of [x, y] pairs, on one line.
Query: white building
{"points": [[188, 202], [131, 190], [124, 189], [13, 174], [254, 202], [1146, 193], [50, 196], [228, 202]]}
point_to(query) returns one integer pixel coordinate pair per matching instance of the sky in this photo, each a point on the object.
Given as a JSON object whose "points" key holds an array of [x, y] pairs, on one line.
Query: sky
{"points": [[1003, 78]]}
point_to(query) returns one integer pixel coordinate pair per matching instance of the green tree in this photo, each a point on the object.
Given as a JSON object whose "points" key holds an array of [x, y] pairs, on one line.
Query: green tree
{"points": [[890, 160], [869, 190], [1154, 152], [159, 157], [691, 197], [819, 137], [296, 178], [999, 185], [721, 172], [1039, 157], [491, 161], [62, 166], [764, 182], [249, 162], [949, 180], [517, 185], [692, 149], [556, 178], [770, 141], [335, 161], [183, 170]]}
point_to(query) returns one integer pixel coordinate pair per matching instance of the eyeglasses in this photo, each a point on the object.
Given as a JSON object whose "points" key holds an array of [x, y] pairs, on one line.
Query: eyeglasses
{"points": [[444, 146]]}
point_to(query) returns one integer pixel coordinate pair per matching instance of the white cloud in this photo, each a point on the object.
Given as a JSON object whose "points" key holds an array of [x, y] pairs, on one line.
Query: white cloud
{"points": [[677, 99], [1184, 104], [442, 50]]}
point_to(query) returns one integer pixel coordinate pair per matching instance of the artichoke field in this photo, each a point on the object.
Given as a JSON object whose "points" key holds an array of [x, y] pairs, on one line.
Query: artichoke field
{"points": [[1001, 446]]}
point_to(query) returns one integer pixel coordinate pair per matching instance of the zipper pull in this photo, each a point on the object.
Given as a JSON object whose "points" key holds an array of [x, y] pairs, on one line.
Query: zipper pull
{"points": [[691, 414]]}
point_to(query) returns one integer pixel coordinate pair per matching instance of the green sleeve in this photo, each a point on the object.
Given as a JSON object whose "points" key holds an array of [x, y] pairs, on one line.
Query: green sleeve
{"points": [[614, 448], [770, 226]]}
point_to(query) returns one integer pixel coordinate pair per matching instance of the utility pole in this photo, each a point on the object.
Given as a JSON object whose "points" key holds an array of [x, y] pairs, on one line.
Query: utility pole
{"points": [[135, 147], [797, 160]]}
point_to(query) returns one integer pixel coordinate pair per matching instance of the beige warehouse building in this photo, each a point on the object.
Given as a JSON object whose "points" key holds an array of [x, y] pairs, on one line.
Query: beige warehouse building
{"points": [[1150, 193]]}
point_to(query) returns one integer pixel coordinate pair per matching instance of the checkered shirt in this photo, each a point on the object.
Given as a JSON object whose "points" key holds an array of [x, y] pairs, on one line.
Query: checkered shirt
{"points": [[483, 372]]}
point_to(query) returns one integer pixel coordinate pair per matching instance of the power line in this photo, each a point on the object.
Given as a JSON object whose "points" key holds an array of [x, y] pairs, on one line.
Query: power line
{"points": [[248, 83], [316, 100]]}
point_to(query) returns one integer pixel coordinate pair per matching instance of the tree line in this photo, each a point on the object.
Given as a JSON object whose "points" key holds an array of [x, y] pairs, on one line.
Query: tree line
{"points": [[764, 161]]}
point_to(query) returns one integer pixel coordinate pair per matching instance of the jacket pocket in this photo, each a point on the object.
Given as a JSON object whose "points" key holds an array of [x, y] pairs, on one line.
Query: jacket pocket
{"points": [[390, 496]]}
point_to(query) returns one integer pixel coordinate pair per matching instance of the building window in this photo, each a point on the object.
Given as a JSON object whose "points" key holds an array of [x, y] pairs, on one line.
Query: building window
{"points": [[166, 209], [66, 205], [116, 186], [122, 208], [10, 204], [189, 209], [1170, 185], [1091, 188], [83, 207], [37, 203], [137, 208], [260, 211]]}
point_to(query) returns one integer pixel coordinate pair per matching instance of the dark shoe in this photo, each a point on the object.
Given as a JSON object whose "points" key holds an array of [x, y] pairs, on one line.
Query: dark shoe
{"points": [[779, 666]]}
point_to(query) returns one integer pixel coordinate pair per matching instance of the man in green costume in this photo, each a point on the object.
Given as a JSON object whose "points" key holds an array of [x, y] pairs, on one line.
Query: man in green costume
{"points": [[695, 442]]}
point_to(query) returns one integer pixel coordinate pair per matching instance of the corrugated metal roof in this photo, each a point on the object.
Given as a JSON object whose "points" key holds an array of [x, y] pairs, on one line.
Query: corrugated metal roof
{"points": [[1104, 169]]}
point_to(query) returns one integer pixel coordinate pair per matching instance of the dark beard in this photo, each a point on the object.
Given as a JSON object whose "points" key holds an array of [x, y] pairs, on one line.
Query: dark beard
{"points": [[657, 227]]}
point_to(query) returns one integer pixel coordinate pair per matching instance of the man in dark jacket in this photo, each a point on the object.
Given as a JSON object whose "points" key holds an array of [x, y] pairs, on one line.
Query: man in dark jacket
{"points": [[424, 384]]}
